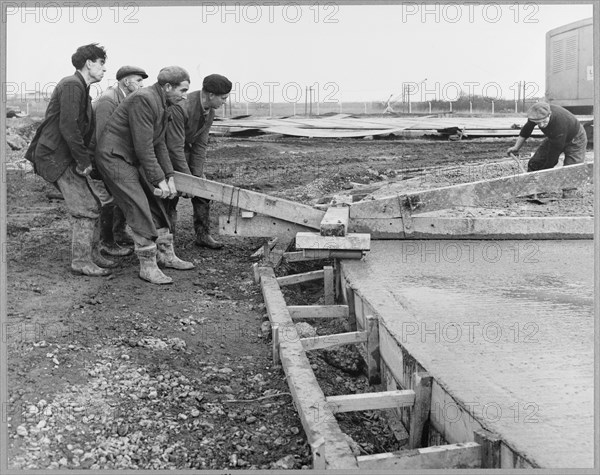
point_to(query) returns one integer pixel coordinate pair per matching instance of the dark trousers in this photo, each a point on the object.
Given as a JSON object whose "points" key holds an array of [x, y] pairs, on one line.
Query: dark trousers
{"points": [[574, 153], [144, 212], [201, 214]]}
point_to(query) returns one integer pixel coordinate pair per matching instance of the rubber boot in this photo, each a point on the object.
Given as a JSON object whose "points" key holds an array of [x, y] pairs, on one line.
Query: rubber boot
{"points": [[149, 271], [202, 224], [107, 244], [97, 256], [166, 253], [81, 248], [119, 225]]}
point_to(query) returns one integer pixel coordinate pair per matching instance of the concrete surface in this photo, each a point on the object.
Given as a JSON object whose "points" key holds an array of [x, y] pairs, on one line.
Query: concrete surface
{"points": [[506, 327]]}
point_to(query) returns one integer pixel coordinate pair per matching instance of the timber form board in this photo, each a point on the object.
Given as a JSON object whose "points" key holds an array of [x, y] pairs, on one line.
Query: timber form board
{"points": [[328, 443]]}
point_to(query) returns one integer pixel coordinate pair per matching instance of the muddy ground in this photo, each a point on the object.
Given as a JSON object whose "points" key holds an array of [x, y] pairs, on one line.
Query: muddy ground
{"points": [[118, 373]]}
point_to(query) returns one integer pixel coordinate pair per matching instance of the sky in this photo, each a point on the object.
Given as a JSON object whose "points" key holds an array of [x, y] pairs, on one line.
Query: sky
{"points": [[273, 53]]}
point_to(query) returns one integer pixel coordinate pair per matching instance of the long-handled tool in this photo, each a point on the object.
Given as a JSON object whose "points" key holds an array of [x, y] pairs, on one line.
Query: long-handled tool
{"points": [[532, 198]]}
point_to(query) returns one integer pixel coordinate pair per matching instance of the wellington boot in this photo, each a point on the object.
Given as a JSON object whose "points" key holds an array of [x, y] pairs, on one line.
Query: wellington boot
{"points": [[206, 240], [97, 256], [166, 254], [149, 271], [115, 250], [119, 229], [81, 248]]}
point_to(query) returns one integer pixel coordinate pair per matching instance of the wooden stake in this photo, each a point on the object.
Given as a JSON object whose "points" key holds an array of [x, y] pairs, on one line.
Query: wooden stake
{"points": [[373, 354], [490, 444], [419, 416], [328, 285]]}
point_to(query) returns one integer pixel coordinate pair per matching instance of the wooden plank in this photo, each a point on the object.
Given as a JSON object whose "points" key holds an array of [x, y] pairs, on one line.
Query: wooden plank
{"points": [[335, 221], [318, 311], [419, 414], [299, 278], [259, 226], [317, 418], [349, 242], [490, 448], [249, 200], [316, 254], [475, 193], [423, 227], [372, 401], [327, 341], [373, 356], [465, 455], [328, 284], [571, 227]]}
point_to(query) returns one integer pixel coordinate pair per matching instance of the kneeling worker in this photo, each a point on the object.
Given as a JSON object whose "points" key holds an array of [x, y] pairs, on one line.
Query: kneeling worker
{"points": [[564, 134]]}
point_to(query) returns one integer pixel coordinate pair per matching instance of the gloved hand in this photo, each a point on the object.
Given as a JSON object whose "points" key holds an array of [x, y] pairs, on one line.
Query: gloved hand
{"points": [[172, 189], [162, 190], [84, 172]]}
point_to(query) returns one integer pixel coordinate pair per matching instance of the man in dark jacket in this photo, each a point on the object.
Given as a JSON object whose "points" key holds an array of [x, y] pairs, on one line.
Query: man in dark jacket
{"points": [[61, 155], [114, 240], [133, 160], [564, 134], [187, 140]]}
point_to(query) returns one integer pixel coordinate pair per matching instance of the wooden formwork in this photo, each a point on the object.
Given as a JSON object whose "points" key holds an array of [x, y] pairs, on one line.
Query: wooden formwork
{"points": [[399, 370], [330, 448]]}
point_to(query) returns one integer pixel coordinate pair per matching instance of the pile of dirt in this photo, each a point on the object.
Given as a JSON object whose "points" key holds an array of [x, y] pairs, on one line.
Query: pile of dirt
{"points": [[20, 132]]}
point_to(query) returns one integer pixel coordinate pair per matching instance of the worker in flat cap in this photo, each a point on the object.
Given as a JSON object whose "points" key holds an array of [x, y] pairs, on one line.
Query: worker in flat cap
{"points": [[134, 162], [114, 239], [187, 141], [564, 134]]}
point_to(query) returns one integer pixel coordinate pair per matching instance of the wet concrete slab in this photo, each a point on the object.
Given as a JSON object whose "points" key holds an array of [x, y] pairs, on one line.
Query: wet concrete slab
{"points": [[505, 327]]}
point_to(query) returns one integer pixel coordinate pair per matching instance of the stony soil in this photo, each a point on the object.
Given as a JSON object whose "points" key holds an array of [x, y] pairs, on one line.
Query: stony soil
{"points": [[115, 373]]}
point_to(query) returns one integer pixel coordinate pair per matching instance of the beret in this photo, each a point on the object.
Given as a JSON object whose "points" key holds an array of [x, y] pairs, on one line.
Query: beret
{"points": [[538, 111], [173, 75], [216, 84], [125, 71]]}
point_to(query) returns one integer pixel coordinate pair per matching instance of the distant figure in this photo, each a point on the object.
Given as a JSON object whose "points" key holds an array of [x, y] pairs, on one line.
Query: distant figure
{"points": [[61, 154], [388, 106], [564, 134], [114, 240], [187, 141], [134, 162]]}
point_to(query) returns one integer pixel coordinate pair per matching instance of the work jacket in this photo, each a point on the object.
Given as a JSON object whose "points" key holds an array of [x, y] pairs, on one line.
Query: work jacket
{"points": [[187, 134], [136, 133], [63, 138]]}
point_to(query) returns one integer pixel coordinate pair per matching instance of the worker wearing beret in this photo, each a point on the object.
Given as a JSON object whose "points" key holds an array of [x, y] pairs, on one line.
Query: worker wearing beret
{"points": [[187, 141], [564, 134], [133, 160], [114, 240]]}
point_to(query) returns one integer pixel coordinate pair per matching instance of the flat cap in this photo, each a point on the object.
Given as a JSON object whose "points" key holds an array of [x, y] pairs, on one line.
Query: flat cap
{"points": [[173, 75], [538, 111], [216, 84], [125, 71]]}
